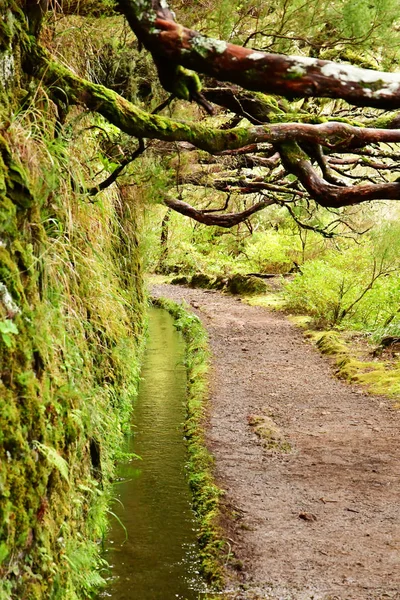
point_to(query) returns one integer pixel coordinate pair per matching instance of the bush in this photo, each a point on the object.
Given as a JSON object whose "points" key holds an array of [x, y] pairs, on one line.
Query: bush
{"points": [[341, 289]]}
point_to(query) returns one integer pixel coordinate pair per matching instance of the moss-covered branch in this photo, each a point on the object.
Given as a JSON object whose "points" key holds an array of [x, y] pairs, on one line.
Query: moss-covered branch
{"points": [[136, 122], [290, 76]]}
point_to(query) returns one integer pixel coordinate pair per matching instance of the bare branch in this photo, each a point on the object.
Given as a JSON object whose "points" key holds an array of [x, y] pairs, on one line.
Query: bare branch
{"points": [[327, 172], [227, 220], [112, 178], [326, 194]]}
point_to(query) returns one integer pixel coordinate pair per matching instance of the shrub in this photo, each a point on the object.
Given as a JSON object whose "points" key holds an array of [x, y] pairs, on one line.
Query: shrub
{"points": [[349, 286]]}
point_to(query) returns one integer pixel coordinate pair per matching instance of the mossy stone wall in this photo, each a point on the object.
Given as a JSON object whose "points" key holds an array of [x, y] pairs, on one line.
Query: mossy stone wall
{"points": [[71, 326]]}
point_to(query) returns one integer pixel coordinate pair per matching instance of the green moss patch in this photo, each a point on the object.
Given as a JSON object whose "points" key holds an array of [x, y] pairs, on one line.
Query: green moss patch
{"points": [[71, 322], [237, 284], [245, 285], [272, 301], [269, 434], [201, 280], [379, 377]]}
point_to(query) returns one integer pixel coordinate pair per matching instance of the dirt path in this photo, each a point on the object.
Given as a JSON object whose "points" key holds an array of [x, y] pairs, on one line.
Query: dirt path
{"points": [[322, 521]]}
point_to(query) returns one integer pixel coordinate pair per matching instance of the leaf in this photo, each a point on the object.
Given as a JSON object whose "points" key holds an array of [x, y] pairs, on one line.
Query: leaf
{"points": [[6, 339], [7, 327], [4, 551], [53, 458]]}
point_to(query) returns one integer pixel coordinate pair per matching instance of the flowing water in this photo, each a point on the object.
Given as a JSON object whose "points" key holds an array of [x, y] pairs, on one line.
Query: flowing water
{"points": [[156, 557]]}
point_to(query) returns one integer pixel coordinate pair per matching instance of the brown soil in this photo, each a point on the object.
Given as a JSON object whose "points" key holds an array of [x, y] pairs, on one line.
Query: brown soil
{"points": [[321, 520]]}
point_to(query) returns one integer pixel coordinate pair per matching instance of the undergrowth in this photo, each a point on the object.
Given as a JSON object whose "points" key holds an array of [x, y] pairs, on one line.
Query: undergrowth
{"points": [[206, 495]]}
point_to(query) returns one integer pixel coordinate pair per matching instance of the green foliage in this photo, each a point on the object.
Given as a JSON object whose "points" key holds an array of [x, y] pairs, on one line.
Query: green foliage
{"points": [[366, 27], [339, 289], [53, 458], [269, 253], [71, 321], [7, 330], [81, 558], [320, 290], [105, 51], [357, 17], [272, 247], [335, 285]]}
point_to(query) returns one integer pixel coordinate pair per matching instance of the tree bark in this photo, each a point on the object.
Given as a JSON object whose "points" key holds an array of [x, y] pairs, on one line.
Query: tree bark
{"points": [[225, 220], [290, 76]]}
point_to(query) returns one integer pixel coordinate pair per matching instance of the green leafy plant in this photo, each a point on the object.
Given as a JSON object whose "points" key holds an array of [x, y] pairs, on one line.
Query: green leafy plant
{"points": [[346, 287], [53, 458], [7, 330]]}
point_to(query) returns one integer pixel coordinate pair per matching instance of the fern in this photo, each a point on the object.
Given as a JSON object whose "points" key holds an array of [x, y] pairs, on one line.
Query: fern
{"points": [[53, 458], [7, 328], [81, 558]]}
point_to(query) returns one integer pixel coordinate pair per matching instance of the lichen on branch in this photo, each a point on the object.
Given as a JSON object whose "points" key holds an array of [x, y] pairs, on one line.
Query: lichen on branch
{"points": [[136, 122], [286, 75]]}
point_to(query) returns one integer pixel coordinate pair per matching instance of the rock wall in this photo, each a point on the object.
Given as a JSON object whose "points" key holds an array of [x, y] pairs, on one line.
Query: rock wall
{"points": [[71, 324]]}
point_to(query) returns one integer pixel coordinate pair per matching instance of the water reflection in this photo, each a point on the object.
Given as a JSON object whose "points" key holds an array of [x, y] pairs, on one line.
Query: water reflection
{"points": [[157, 559]]}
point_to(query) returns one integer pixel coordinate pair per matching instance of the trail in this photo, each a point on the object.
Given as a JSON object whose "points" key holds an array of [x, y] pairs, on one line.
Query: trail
{"points": [[321, 521]]}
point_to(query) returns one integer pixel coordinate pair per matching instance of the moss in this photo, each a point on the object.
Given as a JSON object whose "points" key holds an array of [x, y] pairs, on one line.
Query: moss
{"points": [[181, 280], [269, 433], [378, 377], [220, 282], [68, 375], [181, 82], [330, 343], [10, 23], [270, 300], [386, 120], [201, 280], [349, 55], [18, 189], [245, 285], [295, 73]]}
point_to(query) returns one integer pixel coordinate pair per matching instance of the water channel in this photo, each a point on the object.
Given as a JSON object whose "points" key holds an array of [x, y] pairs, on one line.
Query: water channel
{"points": [[156, 557]]}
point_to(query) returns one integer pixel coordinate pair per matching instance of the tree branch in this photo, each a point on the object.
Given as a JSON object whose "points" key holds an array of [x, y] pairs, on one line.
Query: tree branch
{"points": [[227, 220], [284, 136], [326, 194], [112, 178], [132, 157], [134, 121], [290, 76]]}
